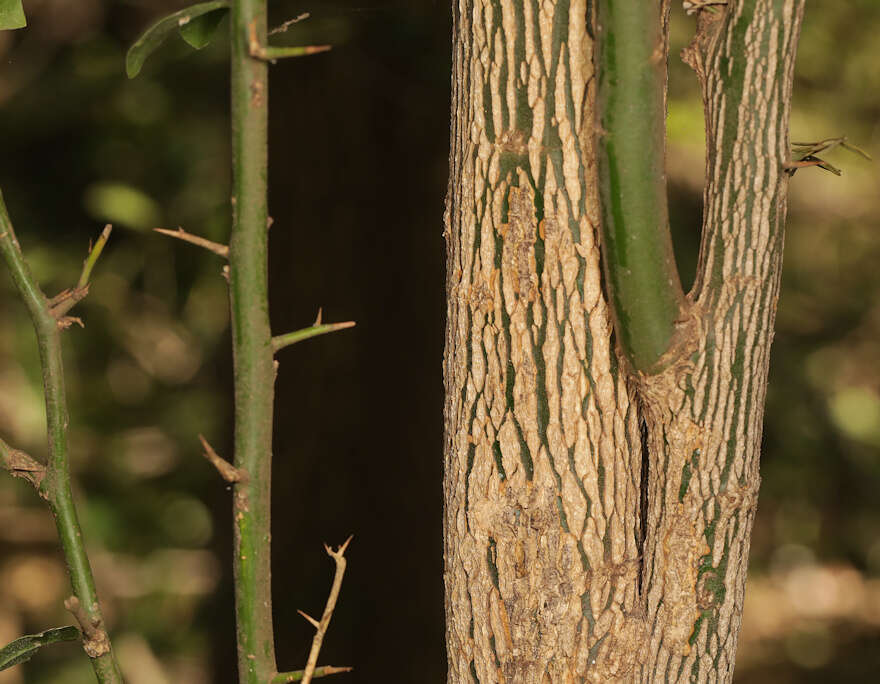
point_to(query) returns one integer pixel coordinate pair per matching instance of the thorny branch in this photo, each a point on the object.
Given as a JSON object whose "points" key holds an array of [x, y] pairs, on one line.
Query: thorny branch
{"points": [[55, 487]]}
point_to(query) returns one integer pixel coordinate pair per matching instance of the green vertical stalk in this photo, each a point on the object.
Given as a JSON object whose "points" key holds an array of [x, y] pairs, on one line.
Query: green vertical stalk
{"points": [[55, 486], [253, 362], [641, 276]]}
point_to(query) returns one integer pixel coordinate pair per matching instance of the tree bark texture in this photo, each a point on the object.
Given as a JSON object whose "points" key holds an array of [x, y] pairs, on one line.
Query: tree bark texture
{"points": [[597, 520]]}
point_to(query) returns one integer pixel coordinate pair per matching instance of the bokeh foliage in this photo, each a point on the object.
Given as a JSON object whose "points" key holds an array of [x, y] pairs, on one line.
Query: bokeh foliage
{"points": [[358, 174]]}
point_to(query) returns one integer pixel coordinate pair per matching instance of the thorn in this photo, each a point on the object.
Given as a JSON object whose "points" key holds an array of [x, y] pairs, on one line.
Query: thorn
{"points": [[316, 49], [312, 621], [225, 272], [210, 245], [269, 222], [339, 551], [318, 317], [281, 341], [227, 471]]}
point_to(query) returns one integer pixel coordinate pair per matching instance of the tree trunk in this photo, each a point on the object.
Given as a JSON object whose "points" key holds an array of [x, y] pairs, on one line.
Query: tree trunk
{"points": [[597, 519]]}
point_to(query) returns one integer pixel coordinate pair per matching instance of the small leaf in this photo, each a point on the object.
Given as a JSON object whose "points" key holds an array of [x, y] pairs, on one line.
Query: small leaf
{"points": [[23, 649], [199, 31], [122, 204], [11, 15], [154, 36]]}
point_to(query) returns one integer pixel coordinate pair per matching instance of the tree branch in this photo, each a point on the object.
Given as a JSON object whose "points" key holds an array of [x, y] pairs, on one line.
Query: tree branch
{"points": [[253, 361], [642, 280], [55, 485]]}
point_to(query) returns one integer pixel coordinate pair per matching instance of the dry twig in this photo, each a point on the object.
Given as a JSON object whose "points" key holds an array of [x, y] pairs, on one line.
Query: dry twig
{"points": [[287, 24], [338, 557]]}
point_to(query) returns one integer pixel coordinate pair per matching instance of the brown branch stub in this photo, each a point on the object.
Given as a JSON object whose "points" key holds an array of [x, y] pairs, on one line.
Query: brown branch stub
{"points": [[21, 465], [210, 245], [338, 557], [95, 640], [64, 301], [227, 471]]}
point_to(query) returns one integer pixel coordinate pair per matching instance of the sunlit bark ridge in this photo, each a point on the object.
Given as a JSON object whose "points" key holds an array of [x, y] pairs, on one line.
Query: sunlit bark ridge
{"points": [[551, 574]]}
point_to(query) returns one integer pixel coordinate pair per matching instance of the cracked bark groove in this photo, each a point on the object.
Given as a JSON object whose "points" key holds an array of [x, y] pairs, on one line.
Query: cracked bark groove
{"points": [[542, 534]]}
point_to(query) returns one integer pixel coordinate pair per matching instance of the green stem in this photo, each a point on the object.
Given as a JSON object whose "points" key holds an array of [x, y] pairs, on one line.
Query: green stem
{"points": [[55, 486], [641, 276], [253, 363], [92, 258]]}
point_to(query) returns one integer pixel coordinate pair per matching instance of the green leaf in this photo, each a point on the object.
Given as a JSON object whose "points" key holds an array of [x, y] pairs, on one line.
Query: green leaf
{"points": [[11, 15], [199, 31], [122, 204], [154, 36], [23, 649]]}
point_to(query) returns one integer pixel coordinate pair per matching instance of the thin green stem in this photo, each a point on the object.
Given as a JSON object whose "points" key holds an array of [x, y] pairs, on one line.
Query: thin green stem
{"points": [[282, 341], [92, 258], [253, 362], [641, 277], [55, 486]]}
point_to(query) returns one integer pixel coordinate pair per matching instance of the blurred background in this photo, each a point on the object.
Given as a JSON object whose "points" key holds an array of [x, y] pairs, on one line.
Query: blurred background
{"points": [[358, 153]]}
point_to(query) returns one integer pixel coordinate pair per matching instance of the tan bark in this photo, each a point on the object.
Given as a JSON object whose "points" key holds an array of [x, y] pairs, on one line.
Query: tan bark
{"points": [[549, 574]]}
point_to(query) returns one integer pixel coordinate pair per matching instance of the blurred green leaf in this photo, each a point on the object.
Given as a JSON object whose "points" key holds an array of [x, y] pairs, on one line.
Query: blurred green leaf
{"points": [[11, 15], [122, 204], [23, 649], [192, 23]]}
